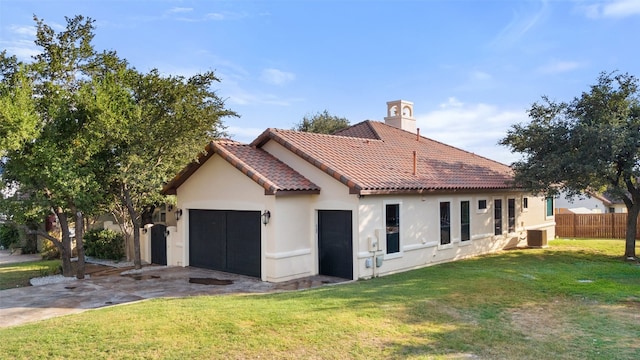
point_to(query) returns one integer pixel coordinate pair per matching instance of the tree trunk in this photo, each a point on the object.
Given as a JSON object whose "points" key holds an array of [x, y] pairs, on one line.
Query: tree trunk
{"points": [[632, 223], [80, 244], [121, 215], [135, 220], [65, 250]]}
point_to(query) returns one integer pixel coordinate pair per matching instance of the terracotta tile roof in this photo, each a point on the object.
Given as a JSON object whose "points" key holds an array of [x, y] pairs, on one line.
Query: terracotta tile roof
{"points": [[363, 130], [273, 175], [374, 158]]}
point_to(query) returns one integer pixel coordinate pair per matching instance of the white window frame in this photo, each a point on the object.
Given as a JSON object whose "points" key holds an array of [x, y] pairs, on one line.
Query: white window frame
{"points": [[525, 199], [400, 228], [502, 215], [515, 215], [465, 242], [477, 204]]}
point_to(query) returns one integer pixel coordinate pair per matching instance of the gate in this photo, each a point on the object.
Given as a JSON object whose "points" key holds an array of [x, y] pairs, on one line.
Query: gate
{"points": [[159, 244]]}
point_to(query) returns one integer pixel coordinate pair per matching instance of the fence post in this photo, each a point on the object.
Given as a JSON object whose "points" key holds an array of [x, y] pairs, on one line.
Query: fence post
{"points": [[613, 226]]}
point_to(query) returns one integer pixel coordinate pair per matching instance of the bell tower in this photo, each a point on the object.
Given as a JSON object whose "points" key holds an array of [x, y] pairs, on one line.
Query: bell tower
{"points": [[400, 115]]}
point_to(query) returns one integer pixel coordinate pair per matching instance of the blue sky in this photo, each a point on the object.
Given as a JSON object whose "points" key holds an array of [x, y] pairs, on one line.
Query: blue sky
{"points": [[471, 68]]}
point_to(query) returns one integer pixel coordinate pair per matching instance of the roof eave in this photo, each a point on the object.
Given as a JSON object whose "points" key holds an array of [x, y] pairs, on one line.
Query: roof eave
{"points": [[279, 193], [425, 191]]}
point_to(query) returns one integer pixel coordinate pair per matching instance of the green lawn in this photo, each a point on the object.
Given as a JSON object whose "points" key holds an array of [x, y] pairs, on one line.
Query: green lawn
{"points": [[574, 300], [18, 275]]}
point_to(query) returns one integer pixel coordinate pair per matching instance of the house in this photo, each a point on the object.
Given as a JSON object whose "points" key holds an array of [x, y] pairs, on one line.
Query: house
{"points": [[373, 199], [590, 203]]}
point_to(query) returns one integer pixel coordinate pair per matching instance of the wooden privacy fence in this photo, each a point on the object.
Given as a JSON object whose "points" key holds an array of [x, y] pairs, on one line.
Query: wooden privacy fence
{"points": [[602, 226]]}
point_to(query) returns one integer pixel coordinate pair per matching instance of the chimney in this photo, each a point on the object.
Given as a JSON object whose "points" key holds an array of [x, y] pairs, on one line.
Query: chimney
{"points": [[400, 115]]}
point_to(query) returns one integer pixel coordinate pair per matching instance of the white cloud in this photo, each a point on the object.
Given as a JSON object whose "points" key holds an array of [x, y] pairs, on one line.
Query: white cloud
{"points": [[27, 31], [480, 76], [451, 102], [22, 49], [611, 9], [240, 96], [215, 16], [180, 10], [277, 77], [520, 24], [20, 42], [473, 127], [242, 134], [560, 67]]}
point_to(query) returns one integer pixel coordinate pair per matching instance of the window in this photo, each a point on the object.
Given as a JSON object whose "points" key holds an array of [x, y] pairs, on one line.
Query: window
{"points": [[497, 216], [511, 215], [549, 206], [525, 203], [445, 223], [392, 218], [612, 210], [465, 221], [482, 204]]}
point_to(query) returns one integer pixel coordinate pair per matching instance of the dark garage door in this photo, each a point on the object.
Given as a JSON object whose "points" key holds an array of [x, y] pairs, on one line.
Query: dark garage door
{"points": [[225, 240], [335, 246]]}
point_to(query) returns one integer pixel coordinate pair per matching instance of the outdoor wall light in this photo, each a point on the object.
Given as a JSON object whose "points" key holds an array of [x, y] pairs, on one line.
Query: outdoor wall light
{"points": [[266, 215], [178, 214]]}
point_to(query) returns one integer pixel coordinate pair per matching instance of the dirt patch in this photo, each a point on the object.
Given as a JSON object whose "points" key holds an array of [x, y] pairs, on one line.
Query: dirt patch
{"points": [[624, 310], [540, 322], [210, 281]]}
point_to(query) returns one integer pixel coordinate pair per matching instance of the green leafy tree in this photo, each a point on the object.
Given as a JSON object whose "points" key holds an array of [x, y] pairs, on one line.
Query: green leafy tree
{"points": [[18, 118], [106, 136], [590, 143], [322, 123], [166, 121], [53, 165]]}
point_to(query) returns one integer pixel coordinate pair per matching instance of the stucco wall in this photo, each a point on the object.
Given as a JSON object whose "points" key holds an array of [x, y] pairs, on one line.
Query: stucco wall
{"points": [[420, 229], [216, 185], [298, 212], [289, 241]]}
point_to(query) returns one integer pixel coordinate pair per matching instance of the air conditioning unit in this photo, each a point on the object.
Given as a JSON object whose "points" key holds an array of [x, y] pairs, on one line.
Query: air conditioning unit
{"points": [[537, 238]]}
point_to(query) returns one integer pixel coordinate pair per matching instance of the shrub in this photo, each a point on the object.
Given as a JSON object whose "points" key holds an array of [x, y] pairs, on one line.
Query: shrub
{"points": [[49, 251], [9, 235], [104, 244]]}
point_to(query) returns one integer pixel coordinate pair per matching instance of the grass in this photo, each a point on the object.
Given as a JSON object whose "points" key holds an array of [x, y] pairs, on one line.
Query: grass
{"points": [[574, 300], [18, 275]]}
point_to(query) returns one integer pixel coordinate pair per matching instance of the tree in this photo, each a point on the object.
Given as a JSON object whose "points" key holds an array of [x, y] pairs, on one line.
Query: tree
{"points": [[590, 143], [18, 118], [105, 136], [322, 123], [49, 164], [168, 121]]}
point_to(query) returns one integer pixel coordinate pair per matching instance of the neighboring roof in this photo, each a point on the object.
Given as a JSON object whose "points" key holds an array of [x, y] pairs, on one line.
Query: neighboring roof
{"points": [[576, 210], [369, 157], [606, 198], [374, 158], [276, 177]]}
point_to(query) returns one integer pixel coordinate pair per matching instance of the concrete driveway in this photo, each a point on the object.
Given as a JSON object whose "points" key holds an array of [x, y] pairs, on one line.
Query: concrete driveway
{"points": [[111, 286], [7, 258]]}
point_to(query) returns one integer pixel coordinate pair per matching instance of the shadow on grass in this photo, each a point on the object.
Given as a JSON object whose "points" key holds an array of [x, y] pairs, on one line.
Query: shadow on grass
{"points": [[462, 309]]}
